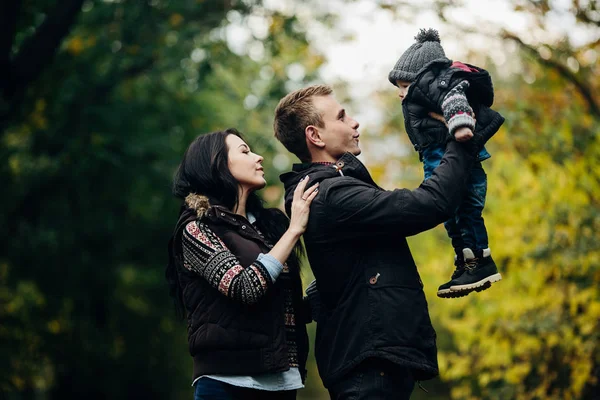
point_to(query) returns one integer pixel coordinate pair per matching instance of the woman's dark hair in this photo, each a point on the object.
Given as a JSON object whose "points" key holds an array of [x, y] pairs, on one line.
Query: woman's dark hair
{"points": [[204, 170]]}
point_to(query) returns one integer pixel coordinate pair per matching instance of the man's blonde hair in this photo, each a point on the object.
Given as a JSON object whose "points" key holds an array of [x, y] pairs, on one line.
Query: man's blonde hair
{"points": [[293, 114]]}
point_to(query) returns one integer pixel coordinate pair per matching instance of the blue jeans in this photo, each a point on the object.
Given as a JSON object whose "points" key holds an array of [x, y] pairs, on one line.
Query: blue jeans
{"points": [[211, 389], [375, 379], [466, 228]]}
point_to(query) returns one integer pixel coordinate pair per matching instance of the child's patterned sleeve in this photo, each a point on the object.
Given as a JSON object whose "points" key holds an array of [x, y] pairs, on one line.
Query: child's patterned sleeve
{"points": [[457, 111], [205, 254]]}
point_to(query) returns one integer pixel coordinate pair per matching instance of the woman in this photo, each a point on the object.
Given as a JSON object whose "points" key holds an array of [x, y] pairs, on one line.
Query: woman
{"points": [[234, 271]]}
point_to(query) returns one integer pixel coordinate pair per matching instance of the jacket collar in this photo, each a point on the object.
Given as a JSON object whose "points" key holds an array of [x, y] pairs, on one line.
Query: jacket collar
{"points": [[222, 215], [346, 165]]}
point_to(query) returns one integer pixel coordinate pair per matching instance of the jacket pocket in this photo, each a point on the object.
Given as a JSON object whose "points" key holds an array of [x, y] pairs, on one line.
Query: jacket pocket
{"points": [[398, 308]]}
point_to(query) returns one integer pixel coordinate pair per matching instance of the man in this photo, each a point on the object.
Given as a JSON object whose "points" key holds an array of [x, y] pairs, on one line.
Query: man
{"points": [[374, 335]]}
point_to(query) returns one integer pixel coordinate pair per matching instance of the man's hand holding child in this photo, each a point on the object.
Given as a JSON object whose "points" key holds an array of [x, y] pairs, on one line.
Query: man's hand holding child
{"points": [[463, 134]]}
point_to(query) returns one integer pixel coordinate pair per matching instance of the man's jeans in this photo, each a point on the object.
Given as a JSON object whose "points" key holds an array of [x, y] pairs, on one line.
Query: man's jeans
{"points": [[375, 379], [466, 228], [211, 389]]}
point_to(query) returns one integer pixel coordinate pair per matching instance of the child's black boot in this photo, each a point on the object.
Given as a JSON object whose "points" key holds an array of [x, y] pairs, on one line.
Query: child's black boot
{"points": [[444, 290], [480, 272]]}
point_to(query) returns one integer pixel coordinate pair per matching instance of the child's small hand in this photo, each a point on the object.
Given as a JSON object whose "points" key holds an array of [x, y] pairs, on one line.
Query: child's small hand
{"points": [[463, 134], [438, 117]]}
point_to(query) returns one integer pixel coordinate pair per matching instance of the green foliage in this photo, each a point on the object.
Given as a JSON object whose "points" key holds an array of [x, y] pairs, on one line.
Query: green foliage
{"points": [[88, 161], [534, 335], [90, 144]]}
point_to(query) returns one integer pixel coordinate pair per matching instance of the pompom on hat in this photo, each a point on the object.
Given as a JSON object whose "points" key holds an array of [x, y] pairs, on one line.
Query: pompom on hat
{"points": [[426, 49]]}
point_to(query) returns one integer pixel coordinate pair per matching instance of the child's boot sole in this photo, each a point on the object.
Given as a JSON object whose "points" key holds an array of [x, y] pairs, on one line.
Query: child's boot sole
{"points": [[479, 286], [450, 294]]}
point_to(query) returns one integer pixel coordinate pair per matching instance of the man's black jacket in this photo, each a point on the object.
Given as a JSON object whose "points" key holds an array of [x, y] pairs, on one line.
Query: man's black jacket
{"points": [[373, 303]]}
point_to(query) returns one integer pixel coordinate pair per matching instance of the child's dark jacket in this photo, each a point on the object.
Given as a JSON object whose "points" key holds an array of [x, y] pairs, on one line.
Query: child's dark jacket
{"points": [[427, 92]]}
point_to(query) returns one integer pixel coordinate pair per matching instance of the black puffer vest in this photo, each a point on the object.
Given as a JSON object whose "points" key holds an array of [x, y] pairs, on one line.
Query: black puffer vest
{"points": [[427, 93], [228, 337]]}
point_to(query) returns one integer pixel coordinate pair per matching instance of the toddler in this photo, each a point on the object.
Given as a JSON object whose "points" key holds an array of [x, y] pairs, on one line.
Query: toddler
{"points": [[432, 86]]}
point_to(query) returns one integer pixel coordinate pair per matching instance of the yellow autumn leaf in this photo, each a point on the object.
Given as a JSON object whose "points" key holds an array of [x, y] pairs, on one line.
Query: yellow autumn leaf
{"points": [[175, 20], [75, 46]]}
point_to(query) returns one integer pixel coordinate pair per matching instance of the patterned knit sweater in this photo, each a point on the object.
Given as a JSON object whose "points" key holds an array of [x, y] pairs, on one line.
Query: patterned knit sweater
{"points": [[205, 254]]}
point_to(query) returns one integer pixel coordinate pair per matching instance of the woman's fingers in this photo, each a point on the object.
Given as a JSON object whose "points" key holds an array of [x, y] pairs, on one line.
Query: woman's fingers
{"points": [[311, 196], [300, 187], [301, 204], [309, 191]]}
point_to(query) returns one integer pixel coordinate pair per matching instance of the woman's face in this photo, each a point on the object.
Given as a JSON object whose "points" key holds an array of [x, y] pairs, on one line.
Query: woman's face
{"points": [[245, 166]]}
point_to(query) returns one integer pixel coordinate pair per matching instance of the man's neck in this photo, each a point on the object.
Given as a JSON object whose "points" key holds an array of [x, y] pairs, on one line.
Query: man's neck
{"points": [[323, 159]]}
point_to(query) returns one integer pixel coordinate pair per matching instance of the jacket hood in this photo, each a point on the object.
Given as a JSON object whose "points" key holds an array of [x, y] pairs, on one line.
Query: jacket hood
{"points": [[347, 165], [442, 62], [202, 206], [479, 79], [198, 202]]}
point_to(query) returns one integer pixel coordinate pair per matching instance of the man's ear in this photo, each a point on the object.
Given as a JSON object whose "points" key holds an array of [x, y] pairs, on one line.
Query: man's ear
{"points": [[313, 136]]}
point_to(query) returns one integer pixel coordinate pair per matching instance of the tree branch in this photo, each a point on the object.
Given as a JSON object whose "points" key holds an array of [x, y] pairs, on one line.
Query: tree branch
{"points": [[582, 15], [8, 25], [40, 48], [563, 71]]}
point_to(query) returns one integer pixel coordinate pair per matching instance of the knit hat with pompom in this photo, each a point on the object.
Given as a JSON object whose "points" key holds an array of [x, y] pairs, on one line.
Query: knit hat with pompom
{"points": [[426, 49]]}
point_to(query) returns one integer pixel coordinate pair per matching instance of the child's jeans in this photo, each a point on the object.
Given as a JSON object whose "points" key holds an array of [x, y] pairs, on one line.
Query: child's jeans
{"points": [[466, 228]]}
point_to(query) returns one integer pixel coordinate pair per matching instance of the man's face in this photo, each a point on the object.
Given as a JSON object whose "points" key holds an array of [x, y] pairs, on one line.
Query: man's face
{"points": [[339, 132]]}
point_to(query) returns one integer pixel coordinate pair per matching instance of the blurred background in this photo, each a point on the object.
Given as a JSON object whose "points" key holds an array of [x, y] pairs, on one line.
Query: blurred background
{"points": [[99, 99]]}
